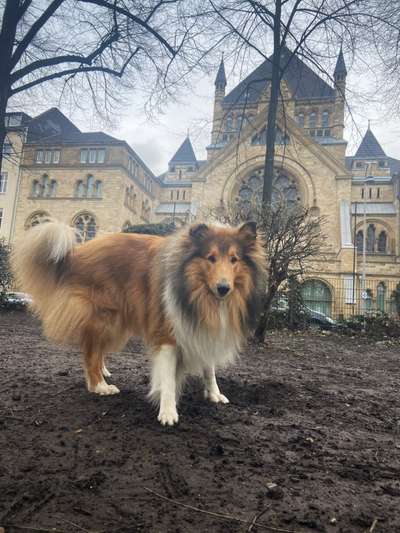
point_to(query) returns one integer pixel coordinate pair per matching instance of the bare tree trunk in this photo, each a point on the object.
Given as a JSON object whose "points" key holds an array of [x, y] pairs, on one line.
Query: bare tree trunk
{"points": [[273, 108], [7, 38], [261, 328]]}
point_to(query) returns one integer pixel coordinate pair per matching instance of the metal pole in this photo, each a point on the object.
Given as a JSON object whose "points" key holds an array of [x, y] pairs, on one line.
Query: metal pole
{"points": [[354, 256]]}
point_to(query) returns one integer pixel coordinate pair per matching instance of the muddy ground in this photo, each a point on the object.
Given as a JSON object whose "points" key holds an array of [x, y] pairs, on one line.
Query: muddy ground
{"points": [[319, 416]]}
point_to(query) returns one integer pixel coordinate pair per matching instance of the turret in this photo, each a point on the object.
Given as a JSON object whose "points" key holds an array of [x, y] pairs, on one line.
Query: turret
{"points": [[339, 76], [220, 85]]}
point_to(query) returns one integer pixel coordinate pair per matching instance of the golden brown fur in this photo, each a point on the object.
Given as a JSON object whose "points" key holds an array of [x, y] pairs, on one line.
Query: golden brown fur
{"points": [[159, 288]]}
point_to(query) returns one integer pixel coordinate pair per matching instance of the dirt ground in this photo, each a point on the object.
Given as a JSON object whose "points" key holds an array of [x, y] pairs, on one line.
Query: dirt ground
{"points": [[318, 416]]}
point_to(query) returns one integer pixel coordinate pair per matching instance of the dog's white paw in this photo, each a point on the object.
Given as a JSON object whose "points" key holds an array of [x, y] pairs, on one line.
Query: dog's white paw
{"points": [[104, 389], [215, 397], [168, 416], [106, 372]]}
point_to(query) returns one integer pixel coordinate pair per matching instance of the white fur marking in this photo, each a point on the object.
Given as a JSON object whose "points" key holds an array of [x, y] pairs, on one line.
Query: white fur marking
{"points": [[106, 372], [163, 384], [104, 389], [211, 389]]}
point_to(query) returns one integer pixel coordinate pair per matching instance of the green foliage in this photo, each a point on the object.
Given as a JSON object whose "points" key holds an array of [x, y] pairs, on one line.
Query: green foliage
{"points": [[152, 229], [5, 271]]}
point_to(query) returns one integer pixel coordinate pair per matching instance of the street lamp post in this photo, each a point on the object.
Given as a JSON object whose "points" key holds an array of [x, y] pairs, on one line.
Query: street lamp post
{"points": [[367, 180]]}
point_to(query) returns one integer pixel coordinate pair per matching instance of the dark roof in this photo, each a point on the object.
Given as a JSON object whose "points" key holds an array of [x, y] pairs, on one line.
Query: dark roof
{"points": [[303, 82], [394, 165], [340, 65], [369, 147], [221, 77], [185, 153], [53, 127]]}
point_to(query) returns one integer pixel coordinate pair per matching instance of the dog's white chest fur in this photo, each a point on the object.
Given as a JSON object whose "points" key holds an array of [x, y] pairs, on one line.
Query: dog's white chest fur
{"points": [[200, 348]]}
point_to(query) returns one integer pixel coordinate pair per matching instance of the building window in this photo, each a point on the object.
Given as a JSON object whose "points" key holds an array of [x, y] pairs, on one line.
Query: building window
{"points": [[93, 156], [1, 216], [312, 120], [362, 193], [325, 119], [378, 193], [172, 195], [88, 188], [382, 242], [85, 225], [44, 188], [381, 164], [381, 297], [180, 174], [183, 195], [359, 164], [7, 148], [360, 241], [130, 197], [3, 182], [177, 195], [13, 120], [239, 122], [36, 218], [47, 157], [146, 210], [370, 193], [371, 238], [229, 123], [300, 120]]}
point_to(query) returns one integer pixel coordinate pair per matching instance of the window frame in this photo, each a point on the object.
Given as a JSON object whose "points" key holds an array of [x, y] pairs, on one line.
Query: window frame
{"points": [[3, 182]]}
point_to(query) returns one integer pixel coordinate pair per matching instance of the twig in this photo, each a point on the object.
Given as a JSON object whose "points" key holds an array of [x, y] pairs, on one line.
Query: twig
{"points": [[371, 529], [219, 515], [256, 517], [30, 528]]}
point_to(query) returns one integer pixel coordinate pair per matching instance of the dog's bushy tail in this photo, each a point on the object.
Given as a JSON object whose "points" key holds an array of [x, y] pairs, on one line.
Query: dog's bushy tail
{"points": [[38, 258]]}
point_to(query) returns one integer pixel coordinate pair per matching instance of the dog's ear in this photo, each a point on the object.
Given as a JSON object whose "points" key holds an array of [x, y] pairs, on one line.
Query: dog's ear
{"points": [[248, 231], [198, 232]]}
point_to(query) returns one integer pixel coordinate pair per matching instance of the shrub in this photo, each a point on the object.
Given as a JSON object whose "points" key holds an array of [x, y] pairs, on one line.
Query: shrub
{"points": [[377, 326], [163, 228]]}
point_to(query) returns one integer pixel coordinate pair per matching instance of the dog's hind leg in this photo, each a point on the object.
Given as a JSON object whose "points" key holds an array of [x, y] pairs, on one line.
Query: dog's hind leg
{"points": [[93, 360], [163, 384], [211, 389]]}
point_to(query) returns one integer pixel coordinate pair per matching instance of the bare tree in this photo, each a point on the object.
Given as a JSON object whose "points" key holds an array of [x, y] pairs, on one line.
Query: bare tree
{"points": [[311, 29], [92, 47]]}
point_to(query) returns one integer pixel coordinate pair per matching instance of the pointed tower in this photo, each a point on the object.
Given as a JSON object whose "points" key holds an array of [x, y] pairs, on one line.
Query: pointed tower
{"points": [[184, 163], [216, 132], [339, 76], [370, 157]]}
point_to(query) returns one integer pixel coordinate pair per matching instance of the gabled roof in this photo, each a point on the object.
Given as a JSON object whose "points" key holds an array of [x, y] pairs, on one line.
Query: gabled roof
{"points": [[340, 65], [185, 153], [53, 127], [369, 147], [302, 81], [221, 76]]}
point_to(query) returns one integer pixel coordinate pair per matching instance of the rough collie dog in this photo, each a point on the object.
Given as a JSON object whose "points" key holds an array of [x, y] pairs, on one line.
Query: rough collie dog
{"points": [[191, 297]]}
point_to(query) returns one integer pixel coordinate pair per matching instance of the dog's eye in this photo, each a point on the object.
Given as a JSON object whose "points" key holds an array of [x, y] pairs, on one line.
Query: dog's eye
{"points": [[234, 259], [212, 258]]}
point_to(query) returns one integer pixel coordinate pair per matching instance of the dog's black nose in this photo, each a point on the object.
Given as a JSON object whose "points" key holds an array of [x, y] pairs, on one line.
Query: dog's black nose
{"points": [[223, 289]]}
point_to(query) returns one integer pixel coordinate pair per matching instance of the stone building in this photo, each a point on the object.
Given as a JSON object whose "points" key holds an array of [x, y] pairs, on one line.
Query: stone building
{"points": [[90, 180], [311, 168], [98, 183]]}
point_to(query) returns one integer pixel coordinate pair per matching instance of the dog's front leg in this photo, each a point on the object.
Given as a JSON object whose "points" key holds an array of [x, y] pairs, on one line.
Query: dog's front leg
{"points": [[211, 389], [163, 384]]}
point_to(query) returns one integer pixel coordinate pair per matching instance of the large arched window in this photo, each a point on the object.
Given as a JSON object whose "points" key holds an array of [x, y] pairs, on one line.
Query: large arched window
{"points": [[285, 190], [36, 218], [382, 242], [370, 238], [85, 224], [36, 189], [317, 296]]}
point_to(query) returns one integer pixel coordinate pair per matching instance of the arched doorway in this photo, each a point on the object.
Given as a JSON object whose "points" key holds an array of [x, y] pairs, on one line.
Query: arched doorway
{"points": [[317, 296]]}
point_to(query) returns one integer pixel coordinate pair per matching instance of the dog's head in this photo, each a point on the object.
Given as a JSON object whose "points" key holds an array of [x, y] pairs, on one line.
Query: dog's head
{"points": [[221, 260]]}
